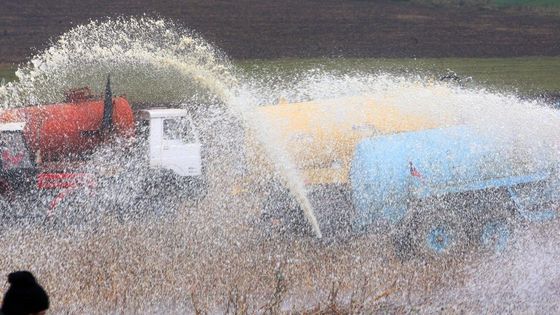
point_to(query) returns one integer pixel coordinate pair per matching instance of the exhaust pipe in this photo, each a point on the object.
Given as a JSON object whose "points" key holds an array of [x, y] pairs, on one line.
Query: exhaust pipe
{"points": [[107, 123]]}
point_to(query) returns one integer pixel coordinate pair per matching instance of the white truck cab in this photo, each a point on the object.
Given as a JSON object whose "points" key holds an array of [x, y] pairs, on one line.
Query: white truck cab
{"points": [[172, 139]]}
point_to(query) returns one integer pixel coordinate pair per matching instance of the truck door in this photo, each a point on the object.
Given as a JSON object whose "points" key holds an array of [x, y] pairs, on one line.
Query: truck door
{"points": [[180, 147], [14, 155], [16, 164]]}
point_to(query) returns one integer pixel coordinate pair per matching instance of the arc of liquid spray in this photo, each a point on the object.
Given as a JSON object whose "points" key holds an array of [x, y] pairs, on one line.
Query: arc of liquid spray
{"points": [[285, 168], [293, 181], [310, 215]]}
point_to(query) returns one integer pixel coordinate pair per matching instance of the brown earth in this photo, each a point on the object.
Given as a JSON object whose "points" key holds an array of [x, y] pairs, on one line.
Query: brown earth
{"points": [[302, 28]]}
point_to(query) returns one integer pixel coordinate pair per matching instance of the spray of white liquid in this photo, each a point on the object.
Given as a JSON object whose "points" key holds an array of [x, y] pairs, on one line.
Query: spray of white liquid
{"points": [[150, 60], [278, 155], [155, 60]]}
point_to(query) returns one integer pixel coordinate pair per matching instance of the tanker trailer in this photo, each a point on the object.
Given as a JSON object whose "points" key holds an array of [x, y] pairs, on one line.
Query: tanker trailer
{"points": [[443, 190], [372, 166], [319, 138], [51, 150]]}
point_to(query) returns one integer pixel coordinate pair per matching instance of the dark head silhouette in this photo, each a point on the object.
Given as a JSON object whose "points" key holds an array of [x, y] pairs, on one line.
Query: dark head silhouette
{"points": [[25, 296]]}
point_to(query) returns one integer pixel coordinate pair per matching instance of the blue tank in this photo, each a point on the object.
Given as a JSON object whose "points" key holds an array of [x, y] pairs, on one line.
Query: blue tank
{"points": [[389, 171]]}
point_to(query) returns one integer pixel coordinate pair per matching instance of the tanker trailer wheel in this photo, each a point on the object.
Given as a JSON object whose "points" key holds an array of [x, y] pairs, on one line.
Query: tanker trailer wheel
{"points": [[439, 238], [495, 236], [491, 221], [431, 234]]}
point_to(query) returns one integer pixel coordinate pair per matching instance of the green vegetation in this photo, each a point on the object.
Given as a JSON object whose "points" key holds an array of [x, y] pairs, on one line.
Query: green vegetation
{"points": [[530, 75], [7, 73], [527, 3], [538, 5]]}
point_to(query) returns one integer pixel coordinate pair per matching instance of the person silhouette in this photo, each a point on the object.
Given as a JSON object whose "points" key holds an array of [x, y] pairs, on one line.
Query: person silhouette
{"points": [[24, 296]]}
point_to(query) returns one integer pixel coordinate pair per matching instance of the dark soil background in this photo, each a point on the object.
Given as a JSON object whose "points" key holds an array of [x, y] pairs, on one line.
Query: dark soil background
{"points": [[247, 29]]}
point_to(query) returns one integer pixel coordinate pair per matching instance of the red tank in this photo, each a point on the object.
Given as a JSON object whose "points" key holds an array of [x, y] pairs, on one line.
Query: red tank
{"points": [[70, 129]]}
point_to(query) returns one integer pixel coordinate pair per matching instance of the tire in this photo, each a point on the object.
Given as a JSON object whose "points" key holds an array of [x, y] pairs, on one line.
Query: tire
{"points": [[491, 229], [495, 236], [432, 234], [158, 199], [187, 188], [196, 188], [440, 237]]}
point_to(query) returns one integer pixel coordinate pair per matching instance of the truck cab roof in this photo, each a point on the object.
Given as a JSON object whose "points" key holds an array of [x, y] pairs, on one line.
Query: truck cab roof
{"points": [[162, 113], [12, 126]]}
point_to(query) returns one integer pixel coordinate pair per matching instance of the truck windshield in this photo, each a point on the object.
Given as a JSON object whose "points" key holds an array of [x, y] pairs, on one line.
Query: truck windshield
{"points": [[178, 129], [13, 152]]}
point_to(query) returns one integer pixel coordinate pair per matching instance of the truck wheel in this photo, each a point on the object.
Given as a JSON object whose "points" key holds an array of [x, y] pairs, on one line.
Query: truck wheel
{"points": [[161, 195], [439, 234], [194, 188], [495, 236], [158, 198], [439, 238], [188, 188]]}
